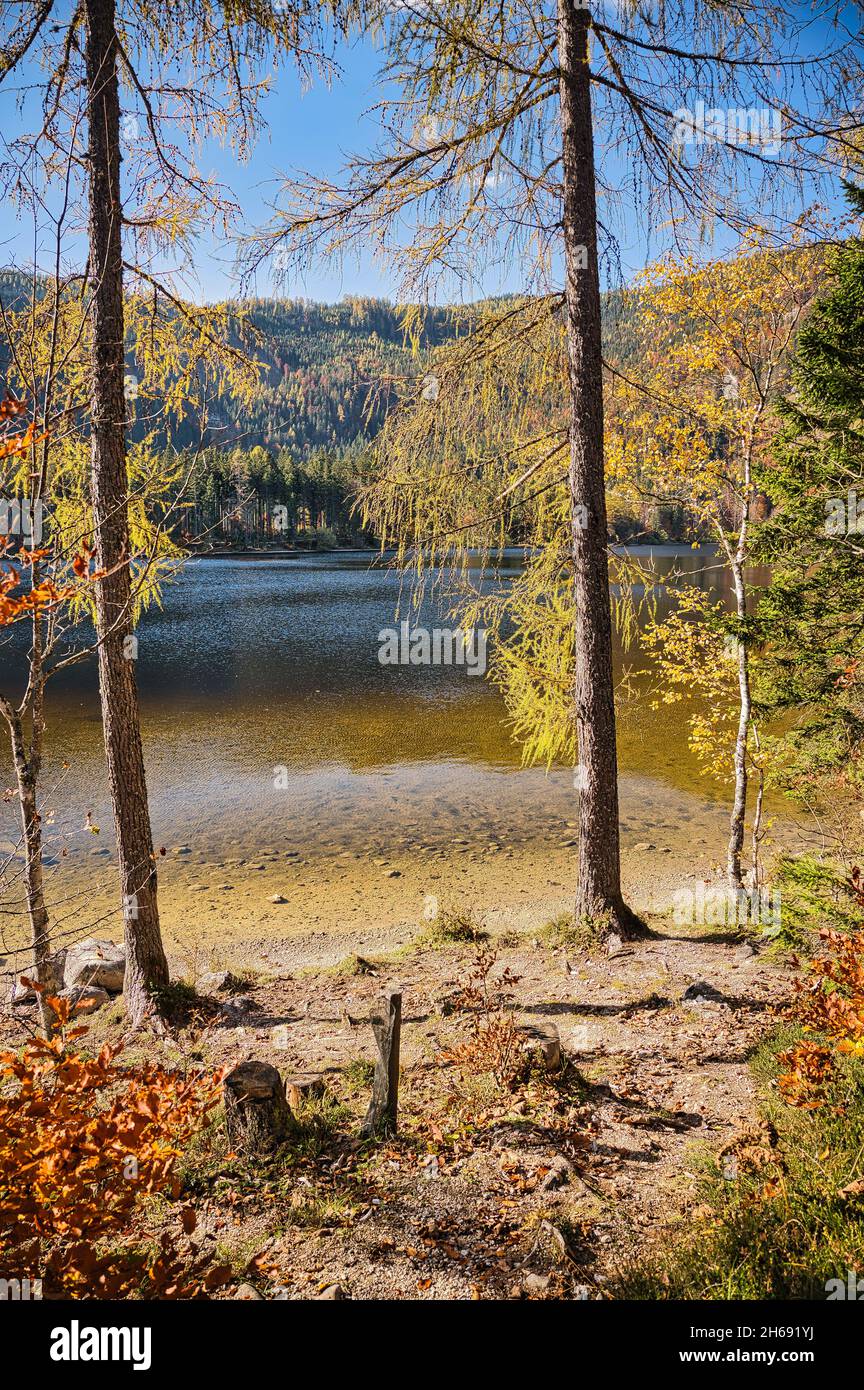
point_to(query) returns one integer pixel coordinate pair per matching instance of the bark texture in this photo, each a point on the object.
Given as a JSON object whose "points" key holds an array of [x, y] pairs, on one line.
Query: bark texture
{"points": [[45, 968], [257, 1115], [599, 899], [382, 1117], [745, 705], [146, 966]]}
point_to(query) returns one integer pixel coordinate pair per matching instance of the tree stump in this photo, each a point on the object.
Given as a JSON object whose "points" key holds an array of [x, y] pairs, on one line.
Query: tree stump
{"points": [[386, 1020], [303, 1087], [256, 1111], [542, 1043]]}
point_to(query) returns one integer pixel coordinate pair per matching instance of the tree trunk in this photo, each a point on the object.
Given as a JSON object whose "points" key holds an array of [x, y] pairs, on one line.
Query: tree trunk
{"points": [[739, 804], [599, 899], [31, 833], [146, 966]]}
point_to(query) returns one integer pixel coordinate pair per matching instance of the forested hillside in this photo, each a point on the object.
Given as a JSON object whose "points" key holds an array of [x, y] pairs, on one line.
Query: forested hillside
{"points": [[327, 369], [283, 464]]}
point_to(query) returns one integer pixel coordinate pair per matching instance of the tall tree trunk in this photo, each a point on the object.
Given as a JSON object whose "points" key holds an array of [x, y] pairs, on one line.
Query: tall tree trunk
{"points": [[26, 775], [739, 804], [599, 899], [146, 966]]}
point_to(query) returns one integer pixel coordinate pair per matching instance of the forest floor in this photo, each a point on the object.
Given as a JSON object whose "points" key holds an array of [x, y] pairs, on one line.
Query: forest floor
{"points": [[544, 1188]]}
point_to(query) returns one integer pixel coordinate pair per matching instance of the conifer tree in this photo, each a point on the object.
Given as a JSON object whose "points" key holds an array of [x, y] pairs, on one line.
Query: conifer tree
{"points": [[811, 619]]}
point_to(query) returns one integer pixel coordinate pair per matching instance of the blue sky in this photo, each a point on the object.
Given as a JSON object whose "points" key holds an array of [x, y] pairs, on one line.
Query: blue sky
{"points": [[314, 130]]}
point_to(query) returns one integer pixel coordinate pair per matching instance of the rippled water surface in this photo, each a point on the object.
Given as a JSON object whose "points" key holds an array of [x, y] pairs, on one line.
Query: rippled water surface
{"points": [[254, 666]]}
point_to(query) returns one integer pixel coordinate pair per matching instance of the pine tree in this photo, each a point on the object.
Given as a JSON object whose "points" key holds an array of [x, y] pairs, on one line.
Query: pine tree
{"points": [[811, 620]]}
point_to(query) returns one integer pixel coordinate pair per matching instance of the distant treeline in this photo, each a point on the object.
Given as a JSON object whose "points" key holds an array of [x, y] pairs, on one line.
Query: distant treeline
{"points": [[328, 375], [328, 378], [262, 497]]}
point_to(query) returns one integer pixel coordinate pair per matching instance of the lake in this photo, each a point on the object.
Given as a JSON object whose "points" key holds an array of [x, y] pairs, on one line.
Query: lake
{"points": [[284, 759]]}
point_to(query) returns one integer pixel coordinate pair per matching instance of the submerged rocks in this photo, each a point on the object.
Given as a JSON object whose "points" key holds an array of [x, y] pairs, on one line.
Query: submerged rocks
{"points": [[95, 962]]}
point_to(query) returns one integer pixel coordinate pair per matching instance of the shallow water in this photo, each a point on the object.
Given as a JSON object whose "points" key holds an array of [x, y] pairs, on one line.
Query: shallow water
{"points": [[266, 672]]}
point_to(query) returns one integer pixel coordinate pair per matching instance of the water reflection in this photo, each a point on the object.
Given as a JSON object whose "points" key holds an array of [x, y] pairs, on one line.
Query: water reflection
{"points": [[253, 666]]}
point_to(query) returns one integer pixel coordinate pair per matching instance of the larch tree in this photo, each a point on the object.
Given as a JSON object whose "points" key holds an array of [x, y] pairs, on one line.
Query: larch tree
{"points": [[510, 123], [49, 580], [128, 91], [146, 966]]}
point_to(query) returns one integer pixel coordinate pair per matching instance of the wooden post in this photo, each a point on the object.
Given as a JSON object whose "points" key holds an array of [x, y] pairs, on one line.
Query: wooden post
{"points": [[256, 1111], [386, 1021]]}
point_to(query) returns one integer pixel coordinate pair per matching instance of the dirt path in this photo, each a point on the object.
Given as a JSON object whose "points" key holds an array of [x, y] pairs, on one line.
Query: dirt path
{"points": [[486, 1193]]}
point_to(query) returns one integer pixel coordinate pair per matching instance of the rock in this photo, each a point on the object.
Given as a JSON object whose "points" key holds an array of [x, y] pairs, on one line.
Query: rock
{"points": [[85, 999], [702, 993], [644, 845], [560, 1173], [277, 898], [94, 962], [280, 1037], [586, 1037], [218, 980], [393, 873], [536, 1283], [542, 1039], [247, 1293], [448, 1001], [332, 1292], [23, 994]]}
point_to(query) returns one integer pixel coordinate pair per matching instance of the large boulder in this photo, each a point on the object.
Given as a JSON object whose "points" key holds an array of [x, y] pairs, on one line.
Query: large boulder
{"points": [[22, 994], [98, 963]]}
